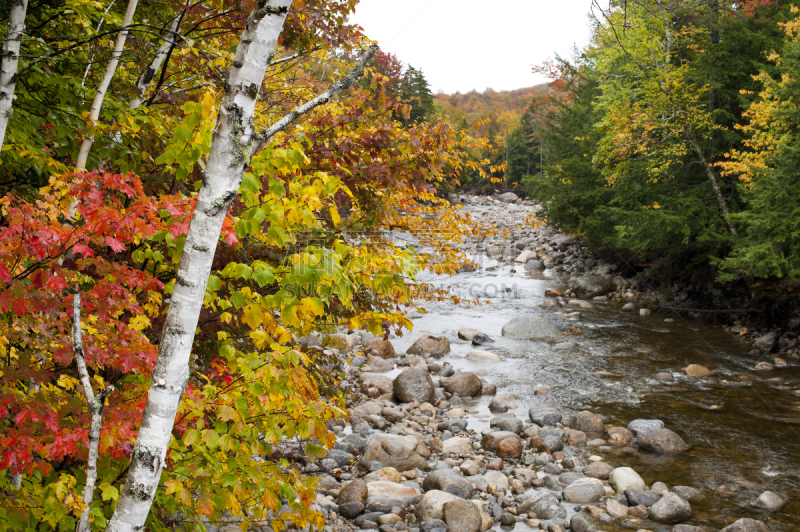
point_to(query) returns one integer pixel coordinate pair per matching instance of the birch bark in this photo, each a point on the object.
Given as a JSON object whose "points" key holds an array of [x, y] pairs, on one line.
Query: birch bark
{"points": [[10, 60], [102, 89], [712, 178], [233, 143]]}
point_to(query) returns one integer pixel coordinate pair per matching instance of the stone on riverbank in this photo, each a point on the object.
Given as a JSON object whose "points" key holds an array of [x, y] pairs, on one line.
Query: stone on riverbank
{"points": [[432, 503], [587, 422], [769, 500], [543, 415], [476, 355], [390, 490], [462, 516], [746, 525], [589, 286], [508, 422], [696, 370], [353, 491], [584, 490], [465, 384], [414, 384], [457, 446], [393, 451], [434, 345], [544, 504], [449, 481], [475, 336], [599, 470], [625, 478], [662, 441], [374, 380], [381, 348], [640, 426]]}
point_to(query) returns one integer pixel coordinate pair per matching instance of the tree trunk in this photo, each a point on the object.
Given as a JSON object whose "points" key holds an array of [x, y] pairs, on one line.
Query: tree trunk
{"points": [[8, 66], [223, 174], [152, 69], [111, 68], [712, 178]]}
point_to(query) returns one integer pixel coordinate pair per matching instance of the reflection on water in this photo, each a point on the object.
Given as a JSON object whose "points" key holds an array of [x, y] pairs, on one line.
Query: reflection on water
{"points": [[744, 430]]}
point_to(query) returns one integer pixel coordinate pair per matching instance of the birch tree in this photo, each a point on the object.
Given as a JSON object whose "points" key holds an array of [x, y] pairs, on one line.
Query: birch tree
{"points": [[10, 60], [233, 141]]}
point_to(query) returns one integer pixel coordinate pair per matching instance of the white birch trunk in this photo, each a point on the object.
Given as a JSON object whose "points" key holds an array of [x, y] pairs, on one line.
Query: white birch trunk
{"points": [[111, 68], [223, 174], [152, 69], [10, 60], [712, 178], [96, 405]]}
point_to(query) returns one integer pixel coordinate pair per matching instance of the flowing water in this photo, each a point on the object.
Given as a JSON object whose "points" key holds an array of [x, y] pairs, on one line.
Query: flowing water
{"points": [[743, 425]]}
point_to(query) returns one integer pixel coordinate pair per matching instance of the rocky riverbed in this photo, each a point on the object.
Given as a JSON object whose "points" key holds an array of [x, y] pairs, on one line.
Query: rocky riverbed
{"points": [[562, 404]]}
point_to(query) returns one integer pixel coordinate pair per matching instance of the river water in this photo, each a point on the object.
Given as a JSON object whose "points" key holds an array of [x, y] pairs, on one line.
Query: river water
{"points": [[743, 426]]}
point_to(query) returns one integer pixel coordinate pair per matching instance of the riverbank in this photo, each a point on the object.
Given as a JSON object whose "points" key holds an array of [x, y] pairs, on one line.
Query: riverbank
{"points": [[530, 421]]}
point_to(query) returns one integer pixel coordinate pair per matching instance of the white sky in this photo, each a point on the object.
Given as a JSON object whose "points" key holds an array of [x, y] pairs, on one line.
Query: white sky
{"points": [[462, 45]]}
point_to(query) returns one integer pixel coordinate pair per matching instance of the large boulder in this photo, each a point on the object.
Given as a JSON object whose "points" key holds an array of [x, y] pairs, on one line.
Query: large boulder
{"points": [[465, 384], [414, 384], [625, 478], [434, 345], [543, 415], [369, 380], [380, 348], [508, 197], [670, 509], [390, 490], [599, 470], [509, 448], [544, 504], [432, 503], [457, 446], [769, 500], [394, 451], [589, 286], [584, 490], [470, 335], [462, 516], [640, 426], [530, 328], [508, 423], [353, 491], [662, 441], [449, 481], [746, 525], [641, 498], [587, 422], [491, 440]]}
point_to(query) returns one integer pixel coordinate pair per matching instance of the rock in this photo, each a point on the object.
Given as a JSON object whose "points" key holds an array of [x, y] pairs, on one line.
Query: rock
{"points": [[389, 519], [644, 312], [746, 525], [766, 342], [619, 436], [465, 384], [662, 441], [553, 292], [579, 524], [763, 366], [457, 446], [534, 265], [449, 481], [769, 500], [587, 422], [471, 334], [488, 389], [430, 506], [353, 491], [498, 479], [599, 470], [470, 467], [584, 490], [687, 528], [508, 423], [388, 474], [639, 497], [390, 490], [508, 197], [497, 406], [616, 509], [509, 448], [544, 505], [462, 516], [369, 380], [381, 348], [351, 509], [552, 441], [526, 476], [664, 376], [476, 355], [670, 509], [543, 415], [530, 327], [625, 478], [414, 384], [398, 452], [685, 492], [589, 286], [431, 524], [644, 425], [525, 256], [696, 370], [434, 345], [491, 441], [576, 437], [378, 365], [383, 505]]}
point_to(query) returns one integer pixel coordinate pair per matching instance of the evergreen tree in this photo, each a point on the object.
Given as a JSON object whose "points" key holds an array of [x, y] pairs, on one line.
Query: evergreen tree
{"points": [[416, 92]]}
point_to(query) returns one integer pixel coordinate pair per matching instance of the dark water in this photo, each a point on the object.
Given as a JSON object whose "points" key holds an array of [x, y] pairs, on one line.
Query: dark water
{"points": [[743, 425]]}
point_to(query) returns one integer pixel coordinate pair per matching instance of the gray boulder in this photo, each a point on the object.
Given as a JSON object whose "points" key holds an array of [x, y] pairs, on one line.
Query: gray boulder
{"points": [[589, 286], [530, 328], [414, 384], [587, 422], [746, 525], [638, 426], [544, 504], [534, 265], [434, 345], [462, 516], [508, 197], [508, 422], [449, 481], [394, 451], [640, 497], [432, 503], [769, 500], [662, 441], [584, 490], [353, 491], [543, 415], [670, 509], [465, 384]]}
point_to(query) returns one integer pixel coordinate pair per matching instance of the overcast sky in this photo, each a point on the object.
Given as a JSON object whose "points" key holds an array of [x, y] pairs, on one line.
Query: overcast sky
{"points": [[463, 45]]}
